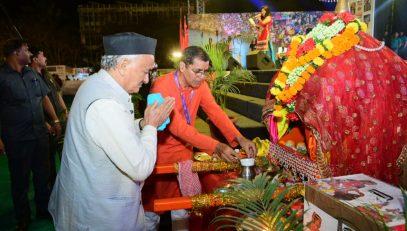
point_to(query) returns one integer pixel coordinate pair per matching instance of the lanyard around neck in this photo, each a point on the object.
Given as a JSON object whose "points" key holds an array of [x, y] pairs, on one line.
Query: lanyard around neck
{"points": [[184, 103]]}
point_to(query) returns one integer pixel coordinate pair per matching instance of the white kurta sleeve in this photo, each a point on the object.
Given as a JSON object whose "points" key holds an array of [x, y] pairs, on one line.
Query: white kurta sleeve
{"points": [[114, 130]]}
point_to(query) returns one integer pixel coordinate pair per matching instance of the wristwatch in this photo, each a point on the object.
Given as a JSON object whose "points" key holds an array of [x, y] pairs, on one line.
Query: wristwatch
{"points": [[139, 124]]}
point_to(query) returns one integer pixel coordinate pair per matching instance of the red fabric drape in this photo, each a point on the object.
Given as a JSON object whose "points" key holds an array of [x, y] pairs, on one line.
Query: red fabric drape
{"points": [[183, 33], [186, 37], [358, 103]]}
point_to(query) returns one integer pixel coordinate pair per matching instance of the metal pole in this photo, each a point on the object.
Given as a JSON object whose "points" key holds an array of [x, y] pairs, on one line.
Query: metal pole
{"points": [[392, 17], [10, 21], [342, 6]]}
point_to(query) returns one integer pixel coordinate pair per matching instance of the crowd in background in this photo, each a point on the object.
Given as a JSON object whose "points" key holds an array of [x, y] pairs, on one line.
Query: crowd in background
{"points": [[397, 42]]}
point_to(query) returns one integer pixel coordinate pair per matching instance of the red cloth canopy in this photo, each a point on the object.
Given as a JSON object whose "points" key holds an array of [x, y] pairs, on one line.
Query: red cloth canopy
{"points": [[358, 103]]}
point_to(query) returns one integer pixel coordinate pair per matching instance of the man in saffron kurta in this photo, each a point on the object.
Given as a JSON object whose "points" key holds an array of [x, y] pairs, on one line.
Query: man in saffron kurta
{"points": [[175, 144]]}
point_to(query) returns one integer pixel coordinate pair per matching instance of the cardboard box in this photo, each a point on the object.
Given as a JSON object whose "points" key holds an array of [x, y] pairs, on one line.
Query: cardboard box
{"points": [[354, 202]]}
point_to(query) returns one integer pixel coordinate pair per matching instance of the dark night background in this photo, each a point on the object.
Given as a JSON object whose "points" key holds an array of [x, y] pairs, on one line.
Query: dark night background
{"points": [[54, 24]]}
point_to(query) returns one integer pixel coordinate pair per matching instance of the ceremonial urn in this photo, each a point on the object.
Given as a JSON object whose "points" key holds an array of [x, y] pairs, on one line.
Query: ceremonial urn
{"points": [[247, 168]]}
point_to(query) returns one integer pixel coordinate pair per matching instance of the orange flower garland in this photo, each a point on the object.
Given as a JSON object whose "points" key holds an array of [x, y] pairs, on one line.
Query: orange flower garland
{"points": [[335, 35]]}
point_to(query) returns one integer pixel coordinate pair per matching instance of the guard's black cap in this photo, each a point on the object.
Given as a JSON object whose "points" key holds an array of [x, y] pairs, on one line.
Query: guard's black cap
{"points": [[128, 43]]}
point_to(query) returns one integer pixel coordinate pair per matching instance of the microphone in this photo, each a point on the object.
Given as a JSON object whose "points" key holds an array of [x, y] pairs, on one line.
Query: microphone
{"points": [[251, 21]]}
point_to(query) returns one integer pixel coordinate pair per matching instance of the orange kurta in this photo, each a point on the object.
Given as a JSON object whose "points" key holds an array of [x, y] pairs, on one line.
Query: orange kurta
{"points": [[175, 143]]}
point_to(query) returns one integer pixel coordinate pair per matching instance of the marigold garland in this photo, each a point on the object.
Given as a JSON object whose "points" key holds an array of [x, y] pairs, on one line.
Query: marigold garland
{"points": [[333, 36]]}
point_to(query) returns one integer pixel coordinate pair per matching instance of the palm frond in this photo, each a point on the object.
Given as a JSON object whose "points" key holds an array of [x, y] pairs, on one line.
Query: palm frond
{"points": [[256, 207], [217, 55], [136, 98], [223, 84], [247, 202]]}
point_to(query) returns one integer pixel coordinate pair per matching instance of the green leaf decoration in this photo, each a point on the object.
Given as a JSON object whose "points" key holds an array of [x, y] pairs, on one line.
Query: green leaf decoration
{"points": [[224, 82], [255, 209]]}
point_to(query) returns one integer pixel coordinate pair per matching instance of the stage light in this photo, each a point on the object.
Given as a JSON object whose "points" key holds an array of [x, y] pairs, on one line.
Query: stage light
{"points": [[176, 54], [260, 3], [383, 6]]}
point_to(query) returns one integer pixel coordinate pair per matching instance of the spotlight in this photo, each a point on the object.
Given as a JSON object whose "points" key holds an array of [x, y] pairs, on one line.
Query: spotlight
{"points": [[176, 54]]}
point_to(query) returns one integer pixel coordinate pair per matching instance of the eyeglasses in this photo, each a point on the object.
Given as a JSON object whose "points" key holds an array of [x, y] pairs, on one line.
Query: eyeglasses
{"points": [[200, 72], [153, 73]]}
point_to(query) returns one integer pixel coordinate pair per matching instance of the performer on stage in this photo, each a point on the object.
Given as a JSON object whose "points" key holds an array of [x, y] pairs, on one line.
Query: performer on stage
{"points": [[264, 22]]}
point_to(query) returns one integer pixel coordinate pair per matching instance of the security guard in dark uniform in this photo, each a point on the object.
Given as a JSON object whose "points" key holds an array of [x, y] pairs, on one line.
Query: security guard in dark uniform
{"points": [[38, 65], [23, 96]]}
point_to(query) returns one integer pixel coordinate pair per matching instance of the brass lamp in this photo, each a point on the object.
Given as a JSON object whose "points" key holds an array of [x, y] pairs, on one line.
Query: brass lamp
{"points": [[341, 5]]}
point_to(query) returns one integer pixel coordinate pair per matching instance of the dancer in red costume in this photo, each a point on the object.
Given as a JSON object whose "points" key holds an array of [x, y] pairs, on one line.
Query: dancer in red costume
{"points": [[264, 25], [352, 91]]}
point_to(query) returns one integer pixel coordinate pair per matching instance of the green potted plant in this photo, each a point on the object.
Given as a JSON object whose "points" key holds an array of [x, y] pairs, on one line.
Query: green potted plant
{"points": [[136, 98], [221, 81]]}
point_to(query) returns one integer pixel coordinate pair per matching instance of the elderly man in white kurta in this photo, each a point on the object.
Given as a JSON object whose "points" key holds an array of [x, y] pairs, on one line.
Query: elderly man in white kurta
{"points": [[107, 154]]}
